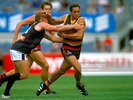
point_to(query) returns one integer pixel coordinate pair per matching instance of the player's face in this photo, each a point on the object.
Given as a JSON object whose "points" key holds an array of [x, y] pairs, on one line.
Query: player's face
{"points": [[47, 8], [75, 13]]}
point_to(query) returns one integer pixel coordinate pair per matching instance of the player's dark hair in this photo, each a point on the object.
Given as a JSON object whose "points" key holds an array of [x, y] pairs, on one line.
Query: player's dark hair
{"points": [[45, 3], [73, 5]]}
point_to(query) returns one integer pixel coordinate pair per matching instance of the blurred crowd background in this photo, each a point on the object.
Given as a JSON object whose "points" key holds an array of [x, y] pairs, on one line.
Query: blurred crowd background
{"points": [[118, 37], [87, 6]]}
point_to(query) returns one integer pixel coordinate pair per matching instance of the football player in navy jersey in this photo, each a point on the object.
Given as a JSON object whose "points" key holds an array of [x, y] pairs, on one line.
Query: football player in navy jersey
{"points": [[36, 54], [24, 46]]}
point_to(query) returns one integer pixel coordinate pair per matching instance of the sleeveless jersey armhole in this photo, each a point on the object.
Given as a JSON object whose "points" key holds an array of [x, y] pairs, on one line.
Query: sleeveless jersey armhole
{"points": [[65, 18]]}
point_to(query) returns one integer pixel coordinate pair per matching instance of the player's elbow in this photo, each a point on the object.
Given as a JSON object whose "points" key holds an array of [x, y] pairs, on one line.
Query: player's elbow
{"points": [[19, 24]]}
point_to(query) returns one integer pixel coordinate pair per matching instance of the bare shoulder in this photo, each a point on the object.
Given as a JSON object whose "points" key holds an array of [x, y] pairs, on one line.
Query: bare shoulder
{"points": [[81, 21]]}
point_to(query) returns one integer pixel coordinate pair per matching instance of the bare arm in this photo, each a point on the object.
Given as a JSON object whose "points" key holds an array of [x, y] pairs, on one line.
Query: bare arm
{"points": [[56, 21], [55, 45], [26, 21], [53, 38], [51, 32], [48, 27], [75, 35]]}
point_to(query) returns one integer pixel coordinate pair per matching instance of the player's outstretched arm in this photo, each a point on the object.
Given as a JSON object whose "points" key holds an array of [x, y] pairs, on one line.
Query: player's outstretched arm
{"points": [[75, 35], [56, 21], [26, 21], [53, 38], [48, 27]]}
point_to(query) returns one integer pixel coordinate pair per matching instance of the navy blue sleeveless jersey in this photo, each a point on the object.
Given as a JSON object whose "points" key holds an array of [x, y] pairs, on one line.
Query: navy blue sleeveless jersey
{"points": [[29, 40]]}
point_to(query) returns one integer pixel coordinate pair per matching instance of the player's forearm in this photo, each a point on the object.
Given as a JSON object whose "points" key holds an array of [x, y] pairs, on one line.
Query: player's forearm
{"points": [[57, 39], [53, 38], [73, 36], [64, 28], [53, 21], [17, 30], [52, 33], [27, 21]]}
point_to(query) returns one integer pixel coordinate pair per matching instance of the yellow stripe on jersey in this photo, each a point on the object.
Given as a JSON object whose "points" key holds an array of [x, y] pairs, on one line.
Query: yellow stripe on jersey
{"points": [[74, 21], [65, 18]]}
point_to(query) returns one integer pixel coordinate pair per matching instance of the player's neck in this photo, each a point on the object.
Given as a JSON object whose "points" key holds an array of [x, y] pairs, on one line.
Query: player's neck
{"points": [[73, 20]]}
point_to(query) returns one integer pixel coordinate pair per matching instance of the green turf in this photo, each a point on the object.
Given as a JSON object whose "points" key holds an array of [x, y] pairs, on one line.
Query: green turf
{"points": [[99, 87]]}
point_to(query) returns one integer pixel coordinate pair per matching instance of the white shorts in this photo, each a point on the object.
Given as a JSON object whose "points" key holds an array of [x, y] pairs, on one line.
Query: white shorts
{"points": [[17, 55]]}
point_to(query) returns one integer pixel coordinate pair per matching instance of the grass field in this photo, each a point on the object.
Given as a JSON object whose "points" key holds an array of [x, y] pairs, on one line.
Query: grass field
{"points": [[99, 88]]}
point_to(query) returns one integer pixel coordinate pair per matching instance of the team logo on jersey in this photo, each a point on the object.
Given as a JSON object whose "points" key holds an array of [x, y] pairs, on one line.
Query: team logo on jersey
{"points": [[69, 52]]}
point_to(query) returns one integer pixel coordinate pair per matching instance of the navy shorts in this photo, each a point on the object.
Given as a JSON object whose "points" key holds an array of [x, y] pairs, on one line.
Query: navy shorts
{"points": [[68, 51]]}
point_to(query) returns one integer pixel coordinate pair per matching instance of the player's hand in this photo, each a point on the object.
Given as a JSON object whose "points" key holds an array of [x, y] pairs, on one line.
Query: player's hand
{"points": [[61, 34], [55, 45], [13, 41], [46, 14]]}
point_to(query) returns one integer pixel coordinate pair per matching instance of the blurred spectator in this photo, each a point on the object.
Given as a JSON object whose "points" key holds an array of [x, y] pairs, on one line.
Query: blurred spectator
{"points": [[56, 5], [7, 9], [98, 47], [64, 5], [36, 3], [120, 7], [92, 6], [103, 6], [1, 62], [22, 6], [107, 43]]}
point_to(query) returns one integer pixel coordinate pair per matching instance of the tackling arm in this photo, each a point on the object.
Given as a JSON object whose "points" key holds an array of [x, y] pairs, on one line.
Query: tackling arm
{"points": [[76, 35], [48, 27], [56, 21], [53, 38], [27, 21]]}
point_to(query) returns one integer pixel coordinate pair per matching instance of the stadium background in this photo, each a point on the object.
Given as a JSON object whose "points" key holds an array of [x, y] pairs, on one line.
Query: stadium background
{"points": [[104, 18]]}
